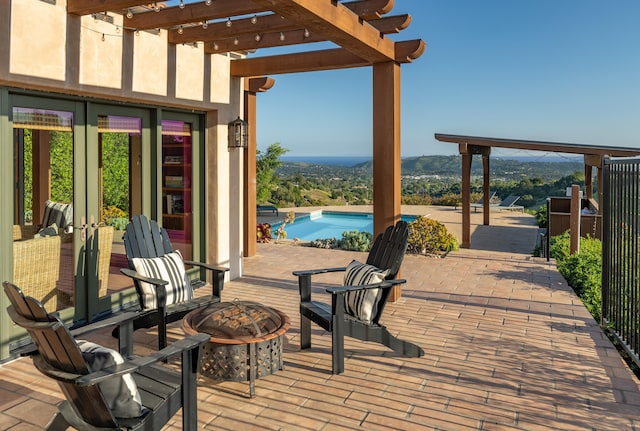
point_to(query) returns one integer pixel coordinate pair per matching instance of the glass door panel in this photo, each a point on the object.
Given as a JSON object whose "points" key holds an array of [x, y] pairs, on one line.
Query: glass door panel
{"points": [[119, 194], [43, 250], [177, 196]]}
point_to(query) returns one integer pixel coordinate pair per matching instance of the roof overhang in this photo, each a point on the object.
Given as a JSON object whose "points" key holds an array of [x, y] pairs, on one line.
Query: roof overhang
{"points": [[556, 147]]}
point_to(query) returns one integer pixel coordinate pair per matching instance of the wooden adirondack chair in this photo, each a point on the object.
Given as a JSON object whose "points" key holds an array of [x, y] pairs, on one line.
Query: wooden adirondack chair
{"points": [[345, 316], [89, 395], [144, 239]]}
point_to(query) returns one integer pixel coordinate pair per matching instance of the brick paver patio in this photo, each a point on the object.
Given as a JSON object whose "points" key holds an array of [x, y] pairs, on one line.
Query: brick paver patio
{"points": [[508, 347]]}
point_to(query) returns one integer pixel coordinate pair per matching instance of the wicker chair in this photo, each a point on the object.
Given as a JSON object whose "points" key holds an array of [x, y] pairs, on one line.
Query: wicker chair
{"points": [[36, 268], [105, 244]]}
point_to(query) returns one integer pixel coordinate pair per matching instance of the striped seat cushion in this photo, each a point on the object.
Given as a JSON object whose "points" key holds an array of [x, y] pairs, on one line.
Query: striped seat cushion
{"points": [[59, 213], [169, 267], [363, 304]]}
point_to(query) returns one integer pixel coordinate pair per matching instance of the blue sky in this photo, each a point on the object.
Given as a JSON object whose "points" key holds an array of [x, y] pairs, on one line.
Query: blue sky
{"points": [[550, 70]]}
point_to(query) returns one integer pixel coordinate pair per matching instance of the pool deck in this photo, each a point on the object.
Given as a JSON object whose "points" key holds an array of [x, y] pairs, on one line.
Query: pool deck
{"points": [[508, 231]]}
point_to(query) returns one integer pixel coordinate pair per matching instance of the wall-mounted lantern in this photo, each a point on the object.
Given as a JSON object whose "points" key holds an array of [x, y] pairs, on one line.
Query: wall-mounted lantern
{"points": [[238, 134]]}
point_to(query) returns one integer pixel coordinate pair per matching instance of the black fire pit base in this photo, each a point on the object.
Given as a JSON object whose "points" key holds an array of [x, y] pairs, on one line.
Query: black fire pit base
{"points": [[229, 356]]}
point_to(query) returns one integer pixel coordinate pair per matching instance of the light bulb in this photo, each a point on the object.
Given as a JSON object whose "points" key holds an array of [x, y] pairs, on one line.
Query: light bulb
{"points": [[258, 37], [181, 4], [180, 31], [215, 46], [229, 23], [236, 41], [129, 14], [254, 19], [103, 37], [208, 2], [306, 33], [281, 36], [156, 7], [205, 25], [118, 29]]}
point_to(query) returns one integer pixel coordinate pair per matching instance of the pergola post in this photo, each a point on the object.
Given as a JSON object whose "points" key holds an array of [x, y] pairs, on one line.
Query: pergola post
{"points": [[486, 186], [386, 149], [467, 157], [252, 87]]}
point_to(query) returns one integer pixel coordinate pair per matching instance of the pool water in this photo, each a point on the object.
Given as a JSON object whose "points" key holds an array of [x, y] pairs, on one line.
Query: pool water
{"points": [[327, 224]]}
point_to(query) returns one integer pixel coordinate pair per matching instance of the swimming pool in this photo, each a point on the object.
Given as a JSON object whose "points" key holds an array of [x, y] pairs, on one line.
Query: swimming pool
{"points": [[329, 224]]}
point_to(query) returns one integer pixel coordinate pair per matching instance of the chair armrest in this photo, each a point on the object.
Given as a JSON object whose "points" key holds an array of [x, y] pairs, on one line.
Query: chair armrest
{"points": [[309, 272], [345, 289], [122, 320], [383, 284], [206, 266], [133, 274], [217, 276], [129, 366]]}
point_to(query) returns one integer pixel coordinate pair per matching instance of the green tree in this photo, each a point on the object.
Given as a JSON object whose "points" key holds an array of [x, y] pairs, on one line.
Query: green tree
{"points": [[266, 164], [115, 168]]}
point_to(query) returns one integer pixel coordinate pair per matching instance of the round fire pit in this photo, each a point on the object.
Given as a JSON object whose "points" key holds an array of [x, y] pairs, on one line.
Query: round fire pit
{"points": [[246, 340]]}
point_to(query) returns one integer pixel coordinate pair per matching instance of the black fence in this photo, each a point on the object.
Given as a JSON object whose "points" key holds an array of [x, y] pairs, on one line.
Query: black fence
{"points": [[621, 252]]}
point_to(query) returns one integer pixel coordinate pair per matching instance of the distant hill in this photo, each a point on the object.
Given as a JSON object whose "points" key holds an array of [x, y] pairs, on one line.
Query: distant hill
{"points": [[450, 166]]}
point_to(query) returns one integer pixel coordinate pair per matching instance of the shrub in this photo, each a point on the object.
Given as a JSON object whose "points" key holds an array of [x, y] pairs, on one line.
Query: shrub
{"points": [[428, 236], [583, 270], [114, 216], [325, 243], [541, 216], [118, 223], [263, 232], [356, 241]]}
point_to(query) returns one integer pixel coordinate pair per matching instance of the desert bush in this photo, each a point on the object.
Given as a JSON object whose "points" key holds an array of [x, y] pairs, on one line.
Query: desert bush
{"points": [[428, 236], [325, 243], [583, 270], [356, 241]]}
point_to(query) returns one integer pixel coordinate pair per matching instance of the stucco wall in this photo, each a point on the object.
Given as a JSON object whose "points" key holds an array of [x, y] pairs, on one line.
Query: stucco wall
{"points": [[47, 49]]}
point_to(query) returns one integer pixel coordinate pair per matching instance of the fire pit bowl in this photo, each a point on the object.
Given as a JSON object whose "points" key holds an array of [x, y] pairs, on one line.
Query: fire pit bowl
{"points": [[246, 340]]}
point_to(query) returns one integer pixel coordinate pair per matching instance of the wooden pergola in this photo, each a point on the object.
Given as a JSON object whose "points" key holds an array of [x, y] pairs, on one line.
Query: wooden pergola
{"points": [[358, 28], [475, 145]]}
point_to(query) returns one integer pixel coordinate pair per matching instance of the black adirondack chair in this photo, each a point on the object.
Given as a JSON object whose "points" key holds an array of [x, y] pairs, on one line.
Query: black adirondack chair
{"points": [[163, 390], [143, 238], [386, 254]]}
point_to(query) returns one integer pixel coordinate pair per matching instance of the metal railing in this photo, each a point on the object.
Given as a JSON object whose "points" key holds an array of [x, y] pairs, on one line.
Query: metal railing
{"points": [[621, 252]]}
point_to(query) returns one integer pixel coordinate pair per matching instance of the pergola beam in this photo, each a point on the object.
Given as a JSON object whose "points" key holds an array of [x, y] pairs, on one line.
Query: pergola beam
{"points": [[329, 59], [267, 24], [249, 43], [338, 24], [193, 13]]}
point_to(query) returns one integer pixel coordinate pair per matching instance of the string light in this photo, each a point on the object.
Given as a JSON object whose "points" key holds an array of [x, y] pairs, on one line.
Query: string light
{"points": [[103, 38], [258, 37], [281, 36], [254, 19], [208, 2], [215, 46], [180, 30], [236, 41], [181, 4], [306, 32], [205, 25], [156, 7], [229, 23], [129, 14]]}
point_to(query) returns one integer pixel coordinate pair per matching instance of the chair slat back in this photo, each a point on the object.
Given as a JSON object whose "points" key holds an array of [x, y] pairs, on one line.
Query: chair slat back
{"points": [[389, 248], [58, 351], [144, 238]]}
